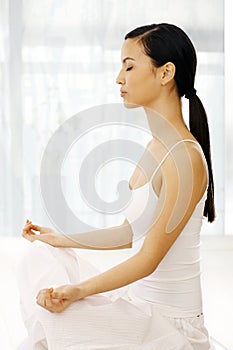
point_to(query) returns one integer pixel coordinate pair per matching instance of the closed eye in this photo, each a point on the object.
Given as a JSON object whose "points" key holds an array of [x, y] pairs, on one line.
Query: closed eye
{"points": [[129, 69]]}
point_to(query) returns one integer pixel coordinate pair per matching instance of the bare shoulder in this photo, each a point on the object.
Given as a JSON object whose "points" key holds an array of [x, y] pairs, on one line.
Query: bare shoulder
{"points": [[187, 161], [179, 150], [197, 159], [184, 180]]}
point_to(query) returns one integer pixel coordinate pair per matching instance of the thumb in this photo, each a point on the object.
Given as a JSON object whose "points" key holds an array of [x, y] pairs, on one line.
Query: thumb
{"points": [[58, 295], [35, 227]]}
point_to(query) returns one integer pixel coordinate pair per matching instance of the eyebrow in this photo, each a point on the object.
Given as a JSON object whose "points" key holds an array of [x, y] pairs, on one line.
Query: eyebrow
{"points": [[128, 58]]}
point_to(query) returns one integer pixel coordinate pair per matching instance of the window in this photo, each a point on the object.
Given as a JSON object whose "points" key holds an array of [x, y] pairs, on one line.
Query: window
{"points": [[61, 57]]}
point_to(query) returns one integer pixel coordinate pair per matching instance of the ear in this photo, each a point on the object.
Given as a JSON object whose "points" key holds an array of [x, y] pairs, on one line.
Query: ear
{"points": [[167, 72]]}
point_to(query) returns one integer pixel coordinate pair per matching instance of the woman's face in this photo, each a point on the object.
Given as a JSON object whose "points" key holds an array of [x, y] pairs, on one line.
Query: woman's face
{"points": [[140, 84]]}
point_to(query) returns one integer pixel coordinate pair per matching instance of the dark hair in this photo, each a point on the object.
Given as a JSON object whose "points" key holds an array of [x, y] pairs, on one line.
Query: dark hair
{"points": [[168, 43]]}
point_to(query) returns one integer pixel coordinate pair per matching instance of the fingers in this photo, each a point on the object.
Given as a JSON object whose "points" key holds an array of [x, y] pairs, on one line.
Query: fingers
{"points": [[27, 225], [28, 233], [58, 295], [41, 297], [35, 227], [44, 293], [30, 224], [44, 298]]}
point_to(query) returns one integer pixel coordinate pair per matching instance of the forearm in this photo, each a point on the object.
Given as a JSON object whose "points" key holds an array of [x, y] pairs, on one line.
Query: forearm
{"points": [[131, 270], [117, 237]]}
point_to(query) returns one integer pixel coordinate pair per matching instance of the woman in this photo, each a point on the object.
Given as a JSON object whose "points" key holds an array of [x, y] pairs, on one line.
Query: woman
{"points": [[160, 306]]}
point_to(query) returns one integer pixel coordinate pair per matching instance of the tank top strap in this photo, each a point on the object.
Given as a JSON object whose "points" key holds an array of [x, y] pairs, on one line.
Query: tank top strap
{"points": [[169, 151]]}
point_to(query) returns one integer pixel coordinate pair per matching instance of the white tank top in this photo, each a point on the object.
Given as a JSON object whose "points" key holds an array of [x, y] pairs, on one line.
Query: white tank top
{"points": [[176, 280]]}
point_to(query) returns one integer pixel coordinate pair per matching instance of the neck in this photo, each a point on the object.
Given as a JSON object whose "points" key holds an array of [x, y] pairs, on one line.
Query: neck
{"points": [[166, 120]]}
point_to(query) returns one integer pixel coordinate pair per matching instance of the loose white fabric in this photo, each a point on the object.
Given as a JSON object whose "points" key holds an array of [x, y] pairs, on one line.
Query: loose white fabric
{"points": [[161, 311], [111, 320]]}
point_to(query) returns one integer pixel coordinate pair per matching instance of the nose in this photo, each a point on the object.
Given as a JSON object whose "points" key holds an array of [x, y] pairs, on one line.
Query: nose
{"points": [[120, 78]]}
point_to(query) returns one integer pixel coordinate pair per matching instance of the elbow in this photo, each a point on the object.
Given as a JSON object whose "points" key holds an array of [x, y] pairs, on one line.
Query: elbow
{"points": [[130, 237], [129, 245], [127, 235], [150, 264]]}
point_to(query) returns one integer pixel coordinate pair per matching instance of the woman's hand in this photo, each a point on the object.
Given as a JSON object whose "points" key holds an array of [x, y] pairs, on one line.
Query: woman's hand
{"points": [[57, 300], [45, 234]]}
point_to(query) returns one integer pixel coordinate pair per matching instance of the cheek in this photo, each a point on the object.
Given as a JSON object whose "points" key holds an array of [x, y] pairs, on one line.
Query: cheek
{"points": [[144, 89]]}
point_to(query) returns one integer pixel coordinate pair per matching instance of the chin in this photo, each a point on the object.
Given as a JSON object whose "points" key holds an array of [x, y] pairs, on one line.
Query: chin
{"points": [[131, 105]]}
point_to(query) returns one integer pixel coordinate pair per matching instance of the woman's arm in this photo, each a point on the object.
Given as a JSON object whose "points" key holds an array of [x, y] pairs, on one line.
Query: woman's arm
{"points": [[184, 183], [133, 269], [117, 237], [136, 267], [111, 238]]}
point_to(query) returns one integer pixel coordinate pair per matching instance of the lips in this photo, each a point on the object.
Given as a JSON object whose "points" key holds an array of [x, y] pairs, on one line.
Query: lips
{"points": [[123, 93]]}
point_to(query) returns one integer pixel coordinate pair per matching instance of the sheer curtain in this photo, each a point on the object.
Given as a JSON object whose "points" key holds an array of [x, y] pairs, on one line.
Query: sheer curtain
{"points": [[61, 57]]}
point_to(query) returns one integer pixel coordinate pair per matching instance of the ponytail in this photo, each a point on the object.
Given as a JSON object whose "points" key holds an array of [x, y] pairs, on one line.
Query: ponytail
{"points": [[168, 43], [199, 128]]}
